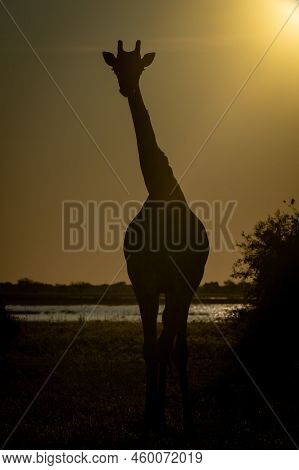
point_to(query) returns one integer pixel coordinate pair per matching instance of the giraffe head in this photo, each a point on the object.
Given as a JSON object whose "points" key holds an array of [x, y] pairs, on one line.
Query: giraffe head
{"points": [[128, 66]]}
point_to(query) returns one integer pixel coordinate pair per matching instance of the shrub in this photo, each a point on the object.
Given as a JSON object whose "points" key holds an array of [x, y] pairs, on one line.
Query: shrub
{"points": [[270, 263], [8, 328]]}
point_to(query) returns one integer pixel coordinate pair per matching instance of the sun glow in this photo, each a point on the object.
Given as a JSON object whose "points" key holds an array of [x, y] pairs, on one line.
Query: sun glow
{"points": [[285, 8]]}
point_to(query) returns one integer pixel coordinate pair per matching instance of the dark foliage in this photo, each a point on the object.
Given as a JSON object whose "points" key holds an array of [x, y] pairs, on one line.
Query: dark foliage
{"points": [[8, 328], [270, 262], [29, 292]]}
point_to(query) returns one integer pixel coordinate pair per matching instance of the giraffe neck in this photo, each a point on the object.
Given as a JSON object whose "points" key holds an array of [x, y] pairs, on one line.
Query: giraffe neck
{"points": [[146, 140], [157, 173]]}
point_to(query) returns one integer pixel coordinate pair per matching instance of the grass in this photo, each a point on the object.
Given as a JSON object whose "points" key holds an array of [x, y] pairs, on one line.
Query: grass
{"points": [[94, 400]]}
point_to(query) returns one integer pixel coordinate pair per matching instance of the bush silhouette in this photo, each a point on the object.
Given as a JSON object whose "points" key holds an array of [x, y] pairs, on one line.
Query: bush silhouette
{"points": [[270, 263], [8, 328]]}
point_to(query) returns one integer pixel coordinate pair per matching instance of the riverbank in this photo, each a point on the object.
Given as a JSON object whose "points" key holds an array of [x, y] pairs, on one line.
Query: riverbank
{"points": [[70, 313], [27, 292], [95, 397], [36, 300]]}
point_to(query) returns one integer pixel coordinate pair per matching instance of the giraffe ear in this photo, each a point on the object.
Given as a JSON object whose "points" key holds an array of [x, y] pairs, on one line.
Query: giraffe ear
{"points": [[109, 58], [147, 59]]}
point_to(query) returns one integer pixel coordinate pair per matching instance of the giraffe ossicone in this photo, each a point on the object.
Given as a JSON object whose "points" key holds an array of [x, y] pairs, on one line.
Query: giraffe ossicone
{"points": [[128, 66]]}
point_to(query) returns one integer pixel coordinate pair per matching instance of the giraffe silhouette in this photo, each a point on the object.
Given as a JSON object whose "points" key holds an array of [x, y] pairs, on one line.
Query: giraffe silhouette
{"points": [[166, 248]]}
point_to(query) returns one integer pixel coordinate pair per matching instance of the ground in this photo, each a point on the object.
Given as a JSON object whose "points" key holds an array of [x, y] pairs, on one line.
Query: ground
{"points": [[94, 400]]}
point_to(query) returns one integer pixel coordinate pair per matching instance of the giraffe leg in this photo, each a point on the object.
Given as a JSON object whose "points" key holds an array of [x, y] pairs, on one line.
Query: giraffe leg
{"points": [[181, 357], [149, 306], [164, 351], [174, 339], [173, 317]]}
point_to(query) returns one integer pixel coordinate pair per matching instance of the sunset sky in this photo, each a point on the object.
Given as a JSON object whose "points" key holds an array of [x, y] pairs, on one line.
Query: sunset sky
{"points": [[205, 50]]}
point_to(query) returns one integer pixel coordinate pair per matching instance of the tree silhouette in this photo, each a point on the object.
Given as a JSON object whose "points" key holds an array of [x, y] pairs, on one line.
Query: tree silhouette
{"points": [[270, 263]]}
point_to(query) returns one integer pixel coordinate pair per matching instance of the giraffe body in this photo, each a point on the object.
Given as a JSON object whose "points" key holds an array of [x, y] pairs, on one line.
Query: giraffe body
{"points": [[158, 241], [166, 248]]}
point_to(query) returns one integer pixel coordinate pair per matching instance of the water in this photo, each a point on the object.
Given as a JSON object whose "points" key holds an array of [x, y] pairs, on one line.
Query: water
{"points": [[116, 313]]}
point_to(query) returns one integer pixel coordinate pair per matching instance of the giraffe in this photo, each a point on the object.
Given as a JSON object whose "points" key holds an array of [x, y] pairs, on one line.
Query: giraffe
{"points": [[156, 264]]}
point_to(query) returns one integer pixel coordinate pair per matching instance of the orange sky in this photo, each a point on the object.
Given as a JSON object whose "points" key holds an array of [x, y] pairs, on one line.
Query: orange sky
{"points": [[205, 50]]}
